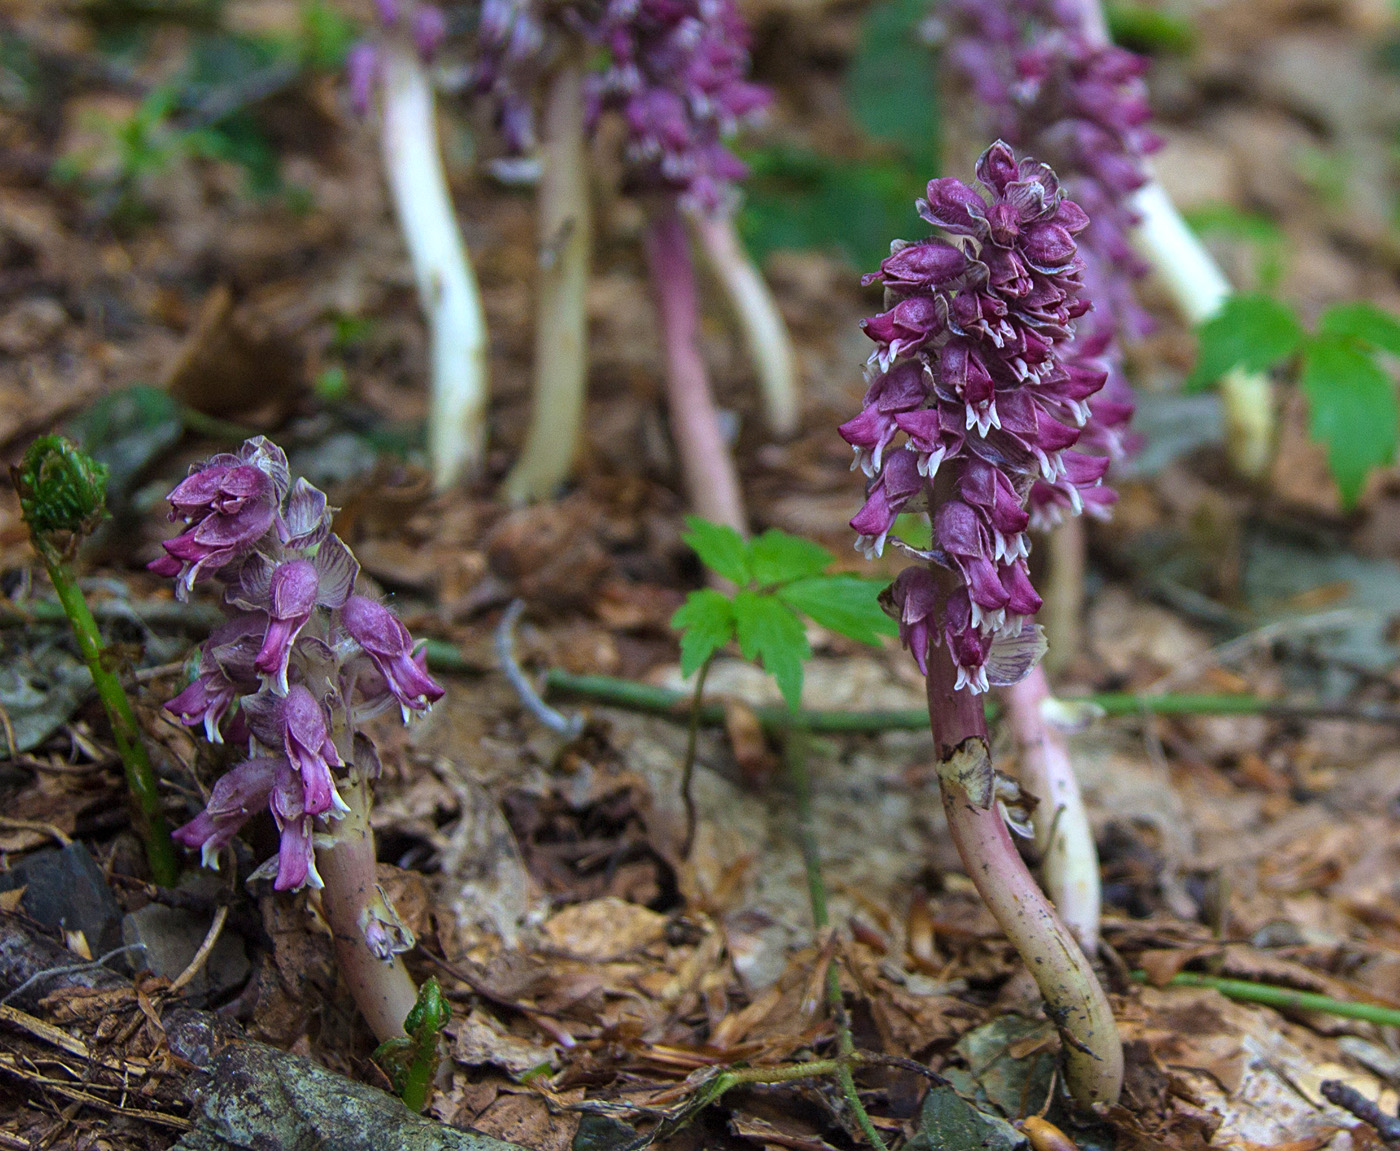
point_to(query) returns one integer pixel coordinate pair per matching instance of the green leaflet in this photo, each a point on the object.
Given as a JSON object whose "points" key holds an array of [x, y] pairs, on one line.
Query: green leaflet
{"points": [[1352, 410]]}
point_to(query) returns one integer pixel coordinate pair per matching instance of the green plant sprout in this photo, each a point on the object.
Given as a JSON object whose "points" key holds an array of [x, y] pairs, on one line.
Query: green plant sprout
{"points": [[778, 578], [411, 1063], [1352, 408], [62, 495]]}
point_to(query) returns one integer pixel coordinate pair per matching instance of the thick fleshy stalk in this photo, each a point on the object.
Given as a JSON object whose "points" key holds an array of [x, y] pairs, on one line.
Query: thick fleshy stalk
{"points": [[764, 330], [1069, 868], [561, 327], [351, 900], [707, 469], [1199, 289], [1092, 1049], [447, 288]]}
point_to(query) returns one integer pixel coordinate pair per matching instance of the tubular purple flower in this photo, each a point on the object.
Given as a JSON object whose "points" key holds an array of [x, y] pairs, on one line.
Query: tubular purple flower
{"points": [[968, 366], [291, 600], [238, 795], [387, 642], [225, 671], [312, 754], [296, 856]]}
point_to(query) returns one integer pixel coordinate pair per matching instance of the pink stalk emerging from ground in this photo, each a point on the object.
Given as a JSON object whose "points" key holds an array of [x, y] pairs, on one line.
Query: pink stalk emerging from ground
{"points": [[1093, 1055], [308, 663], [707, 468], [1063, 836], [975, 370]]}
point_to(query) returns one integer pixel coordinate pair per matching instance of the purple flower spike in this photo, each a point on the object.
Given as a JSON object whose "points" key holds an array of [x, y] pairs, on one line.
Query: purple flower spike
{"points": [[429, 30], [972, 365], [300, 655], [362, 72], [236, 798], [387, 642]]}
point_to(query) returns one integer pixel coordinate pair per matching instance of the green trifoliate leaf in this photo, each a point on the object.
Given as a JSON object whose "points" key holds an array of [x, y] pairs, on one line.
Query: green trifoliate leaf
{"points": [[842, 603], [770, 631], [776, 557], [721, 549], [61, 488], [1364, 322], [706, 624], [1251, 331], [1352, 410]]}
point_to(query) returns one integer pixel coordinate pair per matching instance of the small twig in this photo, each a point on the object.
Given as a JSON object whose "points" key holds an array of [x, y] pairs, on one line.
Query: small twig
{"points": [[212, 937], [664, 701], [1283, 997], [688, 766], [1350, 1099], [36, 825], [567, 726], [69, 969]]}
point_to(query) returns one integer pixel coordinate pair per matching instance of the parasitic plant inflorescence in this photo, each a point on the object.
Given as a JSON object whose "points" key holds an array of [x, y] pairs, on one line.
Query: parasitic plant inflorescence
{"points": [[294, 675], [971, 402]]}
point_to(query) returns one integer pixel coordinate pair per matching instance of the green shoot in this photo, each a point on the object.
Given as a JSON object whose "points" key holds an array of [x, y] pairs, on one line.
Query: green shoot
{"points": [[780, 579], [411, 1063], [62, 495], [1352, 408]]}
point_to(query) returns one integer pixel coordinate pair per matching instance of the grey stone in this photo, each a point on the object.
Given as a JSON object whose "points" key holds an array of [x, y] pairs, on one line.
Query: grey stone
{"points": [[65, 890]]}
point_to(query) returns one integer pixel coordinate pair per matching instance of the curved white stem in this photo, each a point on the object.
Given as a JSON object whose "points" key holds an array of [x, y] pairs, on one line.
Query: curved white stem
{"points": [[561, 325], [1200, 289], [765, 331], [446, 286]]}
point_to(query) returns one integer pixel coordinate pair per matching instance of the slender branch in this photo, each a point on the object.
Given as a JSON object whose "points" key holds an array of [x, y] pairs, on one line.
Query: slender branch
{"points": [[1286, 998], [1348, 1098], [663, 701], [563, 725], [1063, 836], [707, 469], [126, 732], [765, 331], [561, 327], [447, 288]]}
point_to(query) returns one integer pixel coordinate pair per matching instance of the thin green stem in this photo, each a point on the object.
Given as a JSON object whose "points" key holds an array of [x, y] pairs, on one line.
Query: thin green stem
{"points": [[688, 765], [663, 701], [800, 779], [1283, 997], [126, 732]]}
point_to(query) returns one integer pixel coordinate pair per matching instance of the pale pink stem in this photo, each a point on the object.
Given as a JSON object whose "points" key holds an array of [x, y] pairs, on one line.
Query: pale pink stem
{"points": [[1063, 836], [383, 990], [1092, 1050], [707, 469]]}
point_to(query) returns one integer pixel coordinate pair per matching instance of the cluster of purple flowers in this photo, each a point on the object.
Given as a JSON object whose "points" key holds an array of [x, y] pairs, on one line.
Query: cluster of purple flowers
{"points": [[969, 370], [674, 71], [1055, 88], [306, 660]]}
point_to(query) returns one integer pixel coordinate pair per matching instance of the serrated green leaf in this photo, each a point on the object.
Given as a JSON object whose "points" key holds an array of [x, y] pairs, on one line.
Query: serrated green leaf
{"points": [[1251, 331], [706, 624], [720, 548], [1352, 410], [770, 631], [777, 557], [1365, 322], [843, 603]]}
